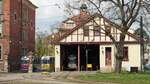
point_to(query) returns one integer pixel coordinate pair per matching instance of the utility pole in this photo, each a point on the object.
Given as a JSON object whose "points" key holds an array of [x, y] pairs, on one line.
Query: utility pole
{"points": [[142, 43]]}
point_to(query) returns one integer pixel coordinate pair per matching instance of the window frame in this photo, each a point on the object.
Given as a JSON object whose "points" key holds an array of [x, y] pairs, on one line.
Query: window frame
{"points": [[1, 52], [86, 31], [97, 31], [125, 53], [24, 51], [24, 35], [70, 24], [1, 18]]}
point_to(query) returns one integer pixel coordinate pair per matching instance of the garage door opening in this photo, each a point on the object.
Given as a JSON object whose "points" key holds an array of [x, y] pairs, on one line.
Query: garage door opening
{"points": [[89, 54], [69, 57]]}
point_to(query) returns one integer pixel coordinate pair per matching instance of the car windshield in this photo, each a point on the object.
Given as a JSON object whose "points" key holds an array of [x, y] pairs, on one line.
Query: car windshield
{"points": [[24, 61], [45, 61]]}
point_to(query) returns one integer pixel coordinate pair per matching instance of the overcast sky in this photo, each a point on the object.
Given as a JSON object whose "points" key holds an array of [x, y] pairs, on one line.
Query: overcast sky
{"points": [[48, 13]]}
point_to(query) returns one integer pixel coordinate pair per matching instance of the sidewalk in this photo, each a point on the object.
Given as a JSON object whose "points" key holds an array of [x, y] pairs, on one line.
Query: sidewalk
{"points": [[65, 77], [36, 78], [10, 77], [19, 76]]}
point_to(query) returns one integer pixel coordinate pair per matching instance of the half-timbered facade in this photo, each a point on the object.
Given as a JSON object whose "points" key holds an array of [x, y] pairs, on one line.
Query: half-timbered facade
{"points": [[89, 44]]}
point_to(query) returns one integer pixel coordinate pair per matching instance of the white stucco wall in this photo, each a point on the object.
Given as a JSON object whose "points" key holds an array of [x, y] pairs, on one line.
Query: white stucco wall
{"points": [[57, 58], [133, 55], [102, 56]]}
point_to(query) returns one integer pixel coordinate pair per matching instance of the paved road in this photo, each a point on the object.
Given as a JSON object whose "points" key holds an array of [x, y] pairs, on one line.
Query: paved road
{"points": [[49, 78], [36, 78]]}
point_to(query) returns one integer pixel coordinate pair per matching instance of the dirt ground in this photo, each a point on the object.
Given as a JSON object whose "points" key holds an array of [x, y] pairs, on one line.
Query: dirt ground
{"points": [[42, 78]]}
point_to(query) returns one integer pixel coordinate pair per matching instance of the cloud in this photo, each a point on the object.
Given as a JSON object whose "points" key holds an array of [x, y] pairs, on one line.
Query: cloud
{"points": [[47, 13], [40, 2], [48, 24], [48, 8]]}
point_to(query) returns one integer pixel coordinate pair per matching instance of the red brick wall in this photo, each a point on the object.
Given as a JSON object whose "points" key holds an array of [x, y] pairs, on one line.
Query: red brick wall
{"points": [[13, 28], [15, 33], [4, 42]]}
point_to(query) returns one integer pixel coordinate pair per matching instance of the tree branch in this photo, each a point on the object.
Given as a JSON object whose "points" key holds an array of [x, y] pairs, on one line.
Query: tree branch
{"points": [[134, 16], [108, 33]]}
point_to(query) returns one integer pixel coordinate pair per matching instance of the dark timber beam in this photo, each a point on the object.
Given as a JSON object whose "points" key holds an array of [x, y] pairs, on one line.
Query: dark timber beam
{"points": [[78, 57]]}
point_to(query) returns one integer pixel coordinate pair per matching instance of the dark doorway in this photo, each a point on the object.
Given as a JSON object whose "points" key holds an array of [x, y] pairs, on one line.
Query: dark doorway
{"points": [[89, 54], [69, 57], [108, 56]]}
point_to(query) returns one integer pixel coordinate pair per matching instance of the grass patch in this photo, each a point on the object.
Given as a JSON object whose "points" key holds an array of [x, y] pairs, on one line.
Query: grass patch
{"points": [[123, 78]]}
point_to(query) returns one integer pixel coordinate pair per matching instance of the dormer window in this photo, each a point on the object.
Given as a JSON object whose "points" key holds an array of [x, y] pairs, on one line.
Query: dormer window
{"points": [[70, 24]]}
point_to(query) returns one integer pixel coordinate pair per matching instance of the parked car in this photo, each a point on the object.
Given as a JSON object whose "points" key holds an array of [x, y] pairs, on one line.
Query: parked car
{"points": [[147, 67]]}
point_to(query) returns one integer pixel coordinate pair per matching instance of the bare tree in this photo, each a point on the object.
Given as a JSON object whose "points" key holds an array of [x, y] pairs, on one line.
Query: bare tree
{"points": [[124, 13]]}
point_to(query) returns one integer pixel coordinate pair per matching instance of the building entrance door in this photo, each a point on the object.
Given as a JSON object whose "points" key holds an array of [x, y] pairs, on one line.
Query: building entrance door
{"points": [[108, 56]]}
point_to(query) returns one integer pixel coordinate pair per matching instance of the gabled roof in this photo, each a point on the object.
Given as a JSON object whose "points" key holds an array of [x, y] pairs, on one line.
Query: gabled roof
{"points": [[86, 20], [80, 24]]}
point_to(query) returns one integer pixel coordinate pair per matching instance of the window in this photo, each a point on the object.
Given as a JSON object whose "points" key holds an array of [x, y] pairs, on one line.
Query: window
{"points": [[96, 31], [1, 18], [25, 14], [1, 6], [70, 24], [125, 54], [86, 31], [14, 17], [0, 52], [1, 29], [24, 51], [107, 29], [31, 23], [24, 35]]}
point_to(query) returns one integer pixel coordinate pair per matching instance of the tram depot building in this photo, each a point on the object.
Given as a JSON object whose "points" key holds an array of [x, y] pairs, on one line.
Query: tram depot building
{"points": [[82, 43]]}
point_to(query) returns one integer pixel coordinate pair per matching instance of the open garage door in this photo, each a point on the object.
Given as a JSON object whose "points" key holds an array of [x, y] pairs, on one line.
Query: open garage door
{"points": [[89, 54]]}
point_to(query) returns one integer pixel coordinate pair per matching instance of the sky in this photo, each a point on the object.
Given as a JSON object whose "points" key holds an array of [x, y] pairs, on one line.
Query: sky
{"points": [[48, 14]]}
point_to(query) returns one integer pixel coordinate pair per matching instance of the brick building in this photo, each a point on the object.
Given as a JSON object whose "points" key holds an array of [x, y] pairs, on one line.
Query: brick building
{"points": [[17, 32]]}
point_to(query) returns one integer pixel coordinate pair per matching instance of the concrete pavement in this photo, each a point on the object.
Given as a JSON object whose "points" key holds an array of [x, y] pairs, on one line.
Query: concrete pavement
{"points": [[36, 78], [49, 78]]}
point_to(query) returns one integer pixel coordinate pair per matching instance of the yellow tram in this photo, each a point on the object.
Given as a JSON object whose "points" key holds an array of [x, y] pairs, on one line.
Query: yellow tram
{"points": [[47, 63]]}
